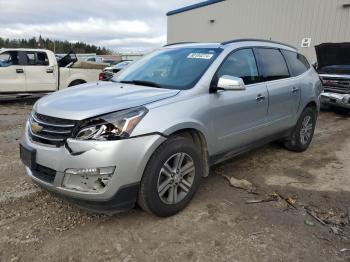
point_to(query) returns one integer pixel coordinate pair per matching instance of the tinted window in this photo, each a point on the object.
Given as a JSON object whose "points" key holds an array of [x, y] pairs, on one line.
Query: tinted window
{"points": [[37, 58], [9, 58], [272, 63], [240, 64], [297, 63]]}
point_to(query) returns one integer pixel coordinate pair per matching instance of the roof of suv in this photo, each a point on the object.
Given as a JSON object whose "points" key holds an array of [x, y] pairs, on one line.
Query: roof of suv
{"points": [[238, 42]]}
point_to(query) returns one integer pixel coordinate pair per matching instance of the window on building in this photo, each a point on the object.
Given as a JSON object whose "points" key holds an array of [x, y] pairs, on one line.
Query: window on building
{"points": [[273, 66], [297, 63], [240, 64]]}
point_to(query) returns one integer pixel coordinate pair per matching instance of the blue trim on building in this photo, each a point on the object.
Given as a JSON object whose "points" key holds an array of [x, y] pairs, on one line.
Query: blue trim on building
{"points": [[195, 6]]}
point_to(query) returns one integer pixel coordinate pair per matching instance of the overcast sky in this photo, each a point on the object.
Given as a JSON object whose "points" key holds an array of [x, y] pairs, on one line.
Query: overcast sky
{"points": [[116, 24]]}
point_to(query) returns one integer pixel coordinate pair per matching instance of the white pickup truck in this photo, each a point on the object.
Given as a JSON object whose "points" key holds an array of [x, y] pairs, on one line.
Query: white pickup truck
{"points": [[35, 72]]}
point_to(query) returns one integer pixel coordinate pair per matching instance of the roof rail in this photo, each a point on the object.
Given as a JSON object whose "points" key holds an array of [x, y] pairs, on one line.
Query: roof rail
{"points": [[195, 6], [256, 40], [179, 43]]}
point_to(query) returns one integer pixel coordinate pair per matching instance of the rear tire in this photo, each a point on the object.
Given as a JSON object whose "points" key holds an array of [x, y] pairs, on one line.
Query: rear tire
{"points": [[76, 82], [303, 132], [171, 177]]}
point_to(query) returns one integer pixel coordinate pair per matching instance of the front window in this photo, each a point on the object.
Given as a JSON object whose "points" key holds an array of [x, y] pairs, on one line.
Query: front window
{"points": [[178, 68], [9, 58]]}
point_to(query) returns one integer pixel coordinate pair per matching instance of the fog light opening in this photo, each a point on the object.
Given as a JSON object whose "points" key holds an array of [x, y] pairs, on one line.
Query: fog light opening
{"points": [[88, 179]]}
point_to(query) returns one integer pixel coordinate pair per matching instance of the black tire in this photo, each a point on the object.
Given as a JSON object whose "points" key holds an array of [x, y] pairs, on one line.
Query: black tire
{"points": [[76, 82], [295, 142], [148, 198]]}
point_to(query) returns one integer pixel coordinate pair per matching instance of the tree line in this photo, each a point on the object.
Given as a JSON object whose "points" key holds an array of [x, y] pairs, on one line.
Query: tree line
{"points": [[57, 46]]}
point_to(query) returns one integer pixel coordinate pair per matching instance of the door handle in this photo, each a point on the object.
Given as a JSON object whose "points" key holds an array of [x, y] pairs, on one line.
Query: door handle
{"points": [[19, 71], [49, 71], [295, 89], [260, 97]]}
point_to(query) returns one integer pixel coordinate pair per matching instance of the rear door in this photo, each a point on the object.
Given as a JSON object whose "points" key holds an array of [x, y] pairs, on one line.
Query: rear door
{"points": [[238, 117], [276, 75], [297, 65], [40, 75], [12, 77]]}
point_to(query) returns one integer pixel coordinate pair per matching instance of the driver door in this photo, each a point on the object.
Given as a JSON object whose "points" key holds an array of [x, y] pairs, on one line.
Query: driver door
{"points": [[12, 75], [238, 117]]}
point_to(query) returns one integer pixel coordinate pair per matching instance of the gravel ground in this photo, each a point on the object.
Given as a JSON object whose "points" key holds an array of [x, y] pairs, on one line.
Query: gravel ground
{"points": [[218, 225]]}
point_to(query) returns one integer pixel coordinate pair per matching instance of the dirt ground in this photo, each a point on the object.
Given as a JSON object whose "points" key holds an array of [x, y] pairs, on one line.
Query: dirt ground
{"points": [[218, 225]]}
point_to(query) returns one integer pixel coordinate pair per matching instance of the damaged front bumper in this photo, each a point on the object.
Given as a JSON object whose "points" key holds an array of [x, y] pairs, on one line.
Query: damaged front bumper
{"points": [[335, 99], [99, 175]]}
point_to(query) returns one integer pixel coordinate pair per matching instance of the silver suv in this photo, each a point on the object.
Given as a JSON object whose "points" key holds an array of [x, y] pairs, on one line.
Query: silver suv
{"points": [[149, 136]]}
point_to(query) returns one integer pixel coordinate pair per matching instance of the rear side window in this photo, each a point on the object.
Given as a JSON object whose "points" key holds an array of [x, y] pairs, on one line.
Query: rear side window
{"points": [[240, 64], [37, 59], [297, 63], [272, 64]]}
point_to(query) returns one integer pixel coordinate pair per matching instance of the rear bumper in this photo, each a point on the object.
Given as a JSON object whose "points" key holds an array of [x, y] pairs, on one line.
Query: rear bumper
{"points": [[335, 99]]}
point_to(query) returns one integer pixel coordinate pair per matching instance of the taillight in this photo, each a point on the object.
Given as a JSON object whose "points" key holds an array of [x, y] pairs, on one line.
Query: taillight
{"points": [[101, 76]]}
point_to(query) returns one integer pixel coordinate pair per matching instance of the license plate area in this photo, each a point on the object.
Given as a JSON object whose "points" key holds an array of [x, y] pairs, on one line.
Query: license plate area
{"points": [[28, 156]]}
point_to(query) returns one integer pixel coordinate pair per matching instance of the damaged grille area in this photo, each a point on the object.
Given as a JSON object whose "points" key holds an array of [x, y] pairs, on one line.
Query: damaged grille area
{"points": [[50, 130], [337, 85]]}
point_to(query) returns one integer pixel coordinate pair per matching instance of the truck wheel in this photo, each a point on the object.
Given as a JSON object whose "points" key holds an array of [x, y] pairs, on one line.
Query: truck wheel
{"points": [[303, 132], [171, 177], [76, 82]]}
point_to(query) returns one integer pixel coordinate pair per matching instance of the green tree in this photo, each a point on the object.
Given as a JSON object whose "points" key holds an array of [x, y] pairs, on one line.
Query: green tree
{"points": [[57, 46]]}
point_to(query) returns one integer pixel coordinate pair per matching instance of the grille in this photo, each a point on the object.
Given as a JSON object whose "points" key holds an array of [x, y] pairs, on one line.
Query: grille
{"points": [[337, 85], [44, 173], [50, 130]]}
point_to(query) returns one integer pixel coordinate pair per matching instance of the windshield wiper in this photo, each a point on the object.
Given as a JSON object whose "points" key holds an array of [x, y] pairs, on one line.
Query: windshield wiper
{"points": [[141, 83]]}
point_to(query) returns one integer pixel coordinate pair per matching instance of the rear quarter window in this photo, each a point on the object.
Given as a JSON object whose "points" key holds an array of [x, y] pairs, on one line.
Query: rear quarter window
{"points": [[297, 63], [272, 64]]}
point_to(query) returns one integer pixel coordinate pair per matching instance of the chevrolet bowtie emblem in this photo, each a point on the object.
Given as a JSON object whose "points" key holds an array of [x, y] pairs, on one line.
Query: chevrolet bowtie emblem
{"points": [[36, 128]]}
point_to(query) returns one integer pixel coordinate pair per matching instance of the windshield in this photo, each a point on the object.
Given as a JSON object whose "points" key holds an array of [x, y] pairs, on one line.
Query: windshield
{"points": [[178, 68]]}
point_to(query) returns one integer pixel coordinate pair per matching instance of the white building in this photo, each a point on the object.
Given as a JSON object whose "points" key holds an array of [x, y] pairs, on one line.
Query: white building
{"points": [[300, 23]]}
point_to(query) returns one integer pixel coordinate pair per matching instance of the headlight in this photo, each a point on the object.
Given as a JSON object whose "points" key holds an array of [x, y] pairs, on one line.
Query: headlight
{"points": [[111, 126]]}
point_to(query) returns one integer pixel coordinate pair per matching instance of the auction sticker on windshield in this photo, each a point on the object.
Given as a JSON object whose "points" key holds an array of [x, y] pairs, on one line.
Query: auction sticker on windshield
{"points": [[200, 56]]}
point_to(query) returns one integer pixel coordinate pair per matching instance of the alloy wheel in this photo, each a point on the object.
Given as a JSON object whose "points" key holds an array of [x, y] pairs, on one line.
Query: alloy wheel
{"points": [[176, 178], [306, 130]]}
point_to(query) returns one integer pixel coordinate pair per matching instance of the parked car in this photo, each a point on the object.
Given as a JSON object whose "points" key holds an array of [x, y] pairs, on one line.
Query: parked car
{"points": [[100, 60], [28, 72], [116, 67], [333, 65], [95, 59], [151, 134]]}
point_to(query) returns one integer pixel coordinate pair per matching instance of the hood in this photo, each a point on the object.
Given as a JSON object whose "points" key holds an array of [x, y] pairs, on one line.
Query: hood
{"points": [[88, 100], [332, 54]]}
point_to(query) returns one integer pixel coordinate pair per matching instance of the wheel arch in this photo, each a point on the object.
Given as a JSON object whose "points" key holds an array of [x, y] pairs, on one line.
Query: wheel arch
{"points": [[76, 82], [311, 104], [199, 139]]}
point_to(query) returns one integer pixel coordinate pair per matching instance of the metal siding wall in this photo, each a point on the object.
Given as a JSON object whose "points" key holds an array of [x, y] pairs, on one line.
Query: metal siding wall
{"points": [[287, 21]]}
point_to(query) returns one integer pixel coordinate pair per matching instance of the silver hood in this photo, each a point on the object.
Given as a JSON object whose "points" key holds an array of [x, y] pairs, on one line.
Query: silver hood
{"points": [[94, 99]]}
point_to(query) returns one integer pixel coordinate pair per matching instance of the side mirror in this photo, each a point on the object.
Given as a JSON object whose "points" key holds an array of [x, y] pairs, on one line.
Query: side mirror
{"points": [[230, 83]]}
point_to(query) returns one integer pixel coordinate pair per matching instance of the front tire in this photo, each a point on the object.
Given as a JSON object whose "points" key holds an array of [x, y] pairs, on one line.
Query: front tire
{"points": [[303, 132], [171, 177]]}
